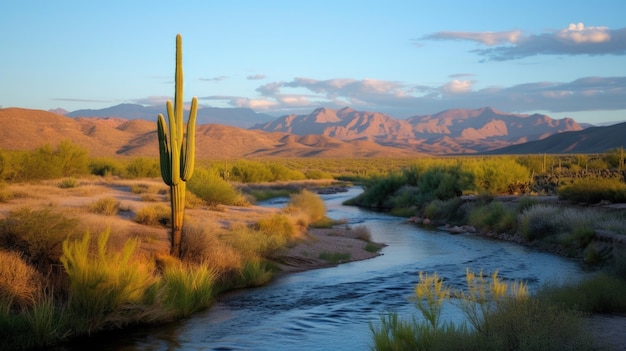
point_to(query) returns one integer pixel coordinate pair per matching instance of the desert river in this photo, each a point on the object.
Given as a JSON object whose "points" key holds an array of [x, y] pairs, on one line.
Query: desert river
{"points": [[333, 308]]}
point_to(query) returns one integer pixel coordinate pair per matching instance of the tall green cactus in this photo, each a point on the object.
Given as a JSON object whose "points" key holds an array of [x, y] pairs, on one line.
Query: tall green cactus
{"points": [[177, 154]]}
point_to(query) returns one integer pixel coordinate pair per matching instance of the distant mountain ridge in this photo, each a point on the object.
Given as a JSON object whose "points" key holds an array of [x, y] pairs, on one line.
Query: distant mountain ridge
{"points": [[322, 133], [450, 131], [237, 117]]}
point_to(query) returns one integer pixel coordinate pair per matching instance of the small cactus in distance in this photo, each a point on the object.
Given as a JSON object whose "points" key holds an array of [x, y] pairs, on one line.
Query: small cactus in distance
{"points": [[177, 150]]}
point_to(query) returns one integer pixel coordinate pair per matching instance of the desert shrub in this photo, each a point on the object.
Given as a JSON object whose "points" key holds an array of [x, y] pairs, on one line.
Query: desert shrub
{"points": [[446, 210], [106, 167], [254, 242], [37, 234], [362, 232], [187, 288], [47, 162], [106, 288], [495, 174], [378, 191], [442, 183], [317, 174], [540, 221], [494, 216], [334, 257], [255, 272], [143, 167], [108, 206], [210, 187], [68, 183], [202, 244], [308, 203], [154, 215], [405, 197], [277, 225], [20, 283], [247, 171], [602, 293], [594, 190], [524, 203], [280, 172], [5, 193]]}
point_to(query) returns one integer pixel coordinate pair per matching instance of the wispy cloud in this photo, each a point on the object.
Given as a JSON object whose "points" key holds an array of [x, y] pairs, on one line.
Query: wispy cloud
{"points": [[403, 100], [576, 39], [81, 100], [214, 79], [256, 77], [152, 100]]}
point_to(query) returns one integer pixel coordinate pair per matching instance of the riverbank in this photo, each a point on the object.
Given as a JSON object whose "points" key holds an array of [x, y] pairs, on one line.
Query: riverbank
{"points": [[343, 242]]}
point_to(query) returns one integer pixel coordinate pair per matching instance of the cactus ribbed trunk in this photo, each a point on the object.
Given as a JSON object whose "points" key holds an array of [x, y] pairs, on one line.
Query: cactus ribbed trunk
{"points": [[177, 200]]}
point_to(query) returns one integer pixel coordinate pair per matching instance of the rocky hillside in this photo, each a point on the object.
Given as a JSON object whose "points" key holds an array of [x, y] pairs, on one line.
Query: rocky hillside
{"points": [[451, 131], [26, 129]]}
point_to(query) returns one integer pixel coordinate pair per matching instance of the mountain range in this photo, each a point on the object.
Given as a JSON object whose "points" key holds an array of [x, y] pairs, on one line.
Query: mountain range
{"points": [[322, 133]]}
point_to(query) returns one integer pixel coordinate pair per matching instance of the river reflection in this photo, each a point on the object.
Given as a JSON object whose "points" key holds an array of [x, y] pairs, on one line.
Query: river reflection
{"points": [[332, 309]]}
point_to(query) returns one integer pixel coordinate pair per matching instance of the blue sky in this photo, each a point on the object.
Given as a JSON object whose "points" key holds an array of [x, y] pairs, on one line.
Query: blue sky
{"points": [[403, 58]]}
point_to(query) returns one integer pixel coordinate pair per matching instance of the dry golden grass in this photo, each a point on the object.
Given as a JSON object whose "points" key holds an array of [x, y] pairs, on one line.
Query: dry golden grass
{"points": [[20, 283]]}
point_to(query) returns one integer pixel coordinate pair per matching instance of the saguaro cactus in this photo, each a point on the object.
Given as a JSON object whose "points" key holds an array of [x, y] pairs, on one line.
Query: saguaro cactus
{"points": [[177, 153]]}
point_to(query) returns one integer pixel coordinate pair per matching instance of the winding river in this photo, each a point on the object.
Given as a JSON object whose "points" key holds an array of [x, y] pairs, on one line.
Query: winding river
{"points": [[333, 308]]}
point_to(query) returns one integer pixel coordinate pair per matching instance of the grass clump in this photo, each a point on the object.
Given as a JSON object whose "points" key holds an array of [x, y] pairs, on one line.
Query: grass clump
{"points": [[108, 206], [334, 257], [593, 191], [154, 215], [68, 183], [187, 288], [307, 203], [500, 316], [20, 284], [38, 234], [106, 289], [213, 189]]}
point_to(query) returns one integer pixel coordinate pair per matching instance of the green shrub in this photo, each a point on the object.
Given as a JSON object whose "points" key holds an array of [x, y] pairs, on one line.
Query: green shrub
{"points": [[106, 167], [68, 183], [155, 215], [308, 203], [446, 210], [37, 234], [277, 225], [594, 191], [255, 272], [106, 289], [143, 167], [187, 288], [210, 187], [47, 162], [247, 171], [494, 216], [108, 206], [502, 317], [602, 293], [334, 257]]}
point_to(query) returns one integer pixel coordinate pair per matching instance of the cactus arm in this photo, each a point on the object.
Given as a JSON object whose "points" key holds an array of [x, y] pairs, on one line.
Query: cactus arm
{"points": [[174, 145], [189, 154], [164, 151]]}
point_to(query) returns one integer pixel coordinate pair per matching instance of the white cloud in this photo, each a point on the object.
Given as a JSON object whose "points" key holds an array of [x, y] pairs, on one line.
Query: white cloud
{"points": [[487, 38], [578, 33], [255, 104], [576, 39], [457, 86], [403, 100]]}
